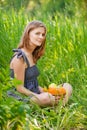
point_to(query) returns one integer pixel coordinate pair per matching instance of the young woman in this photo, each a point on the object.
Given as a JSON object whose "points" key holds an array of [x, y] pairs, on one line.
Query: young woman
{"points": [[23, 66]]}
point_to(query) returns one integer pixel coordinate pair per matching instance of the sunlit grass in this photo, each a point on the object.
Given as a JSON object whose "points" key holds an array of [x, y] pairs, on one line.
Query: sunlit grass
{"points": [[65, 60]]}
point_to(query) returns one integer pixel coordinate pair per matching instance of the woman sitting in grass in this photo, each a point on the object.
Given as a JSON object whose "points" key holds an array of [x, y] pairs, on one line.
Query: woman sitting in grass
{"points": [[23, 66]]}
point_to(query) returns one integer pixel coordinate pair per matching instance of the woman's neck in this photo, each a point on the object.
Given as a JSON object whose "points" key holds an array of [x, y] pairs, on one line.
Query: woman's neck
{"points": [[29, 51]]}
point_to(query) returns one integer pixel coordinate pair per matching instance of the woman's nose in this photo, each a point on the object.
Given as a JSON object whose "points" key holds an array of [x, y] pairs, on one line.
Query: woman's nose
{"points": [[41, 36]]}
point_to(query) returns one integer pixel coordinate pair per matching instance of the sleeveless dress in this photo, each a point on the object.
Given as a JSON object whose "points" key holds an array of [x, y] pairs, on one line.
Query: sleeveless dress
{"points": [[31, 74]]}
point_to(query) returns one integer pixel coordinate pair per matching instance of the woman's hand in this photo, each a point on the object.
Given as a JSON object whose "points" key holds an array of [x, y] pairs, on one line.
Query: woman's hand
{"points": [[57, 98]]}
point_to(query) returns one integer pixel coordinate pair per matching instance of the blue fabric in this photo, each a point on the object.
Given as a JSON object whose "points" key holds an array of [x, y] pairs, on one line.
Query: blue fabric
{"points": [[31, 73]]}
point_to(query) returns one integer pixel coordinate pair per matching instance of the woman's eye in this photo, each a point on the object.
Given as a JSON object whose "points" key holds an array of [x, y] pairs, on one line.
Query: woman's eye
{"points": [[43, 34], [37, 33]]}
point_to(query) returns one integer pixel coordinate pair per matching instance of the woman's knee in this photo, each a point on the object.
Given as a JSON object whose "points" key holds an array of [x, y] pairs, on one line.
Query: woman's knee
{"points": [[68, 88]]}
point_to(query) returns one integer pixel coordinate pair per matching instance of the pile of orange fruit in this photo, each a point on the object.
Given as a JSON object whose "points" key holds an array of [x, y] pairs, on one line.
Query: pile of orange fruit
{"points": [[55, 90]]}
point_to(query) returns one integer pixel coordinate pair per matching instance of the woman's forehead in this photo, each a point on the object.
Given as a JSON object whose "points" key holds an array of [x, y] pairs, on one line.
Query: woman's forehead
{"points": [[40, 29]]}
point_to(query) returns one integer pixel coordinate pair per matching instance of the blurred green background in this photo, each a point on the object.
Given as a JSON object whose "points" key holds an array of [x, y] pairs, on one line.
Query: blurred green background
{"points": [[65, 60]]}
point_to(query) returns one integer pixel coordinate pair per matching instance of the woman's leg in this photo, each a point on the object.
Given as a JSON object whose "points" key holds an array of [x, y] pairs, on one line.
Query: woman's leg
{"points": [[68, 88], [43, 99], [46, 99]]}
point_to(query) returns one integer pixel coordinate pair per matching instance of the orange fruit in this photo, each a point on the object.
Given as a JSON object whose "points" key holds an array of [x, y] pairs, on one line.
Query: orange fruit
{"points": [[61, 91], [53, 91]]}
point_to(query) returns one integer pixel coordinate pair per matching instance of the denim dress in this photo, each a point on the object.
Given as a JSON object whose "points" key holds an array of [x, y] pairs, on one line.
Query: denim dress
{"points": [[31, 74]]}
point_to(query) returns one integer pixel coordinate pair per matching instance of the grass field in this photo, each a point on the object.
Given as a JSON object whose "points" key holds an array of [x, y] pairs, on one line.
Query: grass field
{"points": [[65, 60]]}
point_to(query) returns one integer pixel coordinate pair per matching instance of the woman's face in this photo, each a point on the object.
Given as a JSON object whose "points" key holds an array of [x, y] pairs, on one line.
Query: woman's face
{"points": [[37, 36]]}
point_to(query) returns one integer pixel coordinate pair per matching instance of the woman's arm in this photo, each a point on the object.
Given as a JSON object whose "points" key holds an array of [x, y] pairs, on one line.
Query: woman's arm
{"points": [[19, 66], [41, 89]]}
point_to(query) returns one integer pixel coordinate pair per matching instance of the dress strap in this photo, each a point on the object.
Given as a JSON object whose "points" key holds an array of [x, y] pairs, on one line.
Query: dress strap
{"points": [[20, 54]]}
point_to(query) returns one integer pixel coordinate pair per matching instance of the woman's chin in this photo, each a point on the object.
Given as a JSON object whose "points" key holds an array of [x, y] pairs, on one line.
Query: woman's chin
{"points": [[39, 44]]}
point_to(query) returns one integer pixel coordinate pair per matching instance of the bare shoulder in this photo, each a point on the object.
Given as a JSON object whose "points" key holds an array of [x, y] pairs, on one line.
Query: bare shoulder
{"points": [[17, 63]]}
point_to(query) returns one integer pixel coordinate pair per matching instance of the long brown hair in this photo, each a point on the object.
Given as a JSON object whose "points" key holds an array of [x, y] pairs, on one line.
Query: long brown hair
{"points": [[39, 50]]}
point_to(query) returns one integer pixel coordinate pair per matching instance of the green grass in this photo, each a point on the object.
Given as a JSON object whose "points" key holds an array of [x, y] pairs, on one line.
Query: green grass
{"points": [[65, 60]]}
